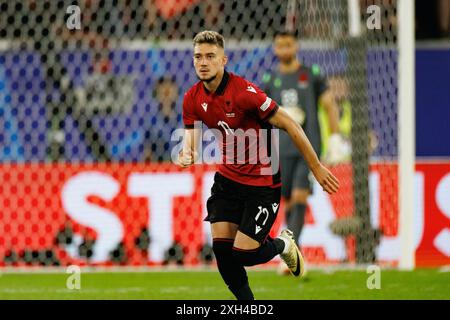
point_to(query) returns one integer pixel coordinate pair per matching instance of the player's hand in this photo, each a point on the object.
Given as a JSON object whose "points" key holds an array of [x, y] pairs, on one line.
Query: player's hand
{"points": [[186, 159], [326, 179]]}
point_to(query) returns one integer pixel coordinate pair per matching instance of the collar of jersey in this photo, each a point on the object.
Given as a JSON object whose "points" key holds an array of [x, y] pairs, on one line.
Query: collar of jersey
{"points": [[221, 88]]}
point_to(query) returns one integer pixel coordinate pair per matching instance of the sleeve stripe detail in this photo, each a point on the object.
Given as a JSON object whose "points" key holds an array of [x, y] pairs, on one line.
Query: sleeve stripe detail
{"points": [[271, 113], [266, 104]]}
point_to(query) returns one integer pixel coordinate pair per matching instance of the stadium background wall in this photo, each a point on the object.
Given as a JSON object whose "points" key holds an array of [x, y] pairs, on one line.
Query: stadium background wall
{"points": [[119, 201], [135, 210]]}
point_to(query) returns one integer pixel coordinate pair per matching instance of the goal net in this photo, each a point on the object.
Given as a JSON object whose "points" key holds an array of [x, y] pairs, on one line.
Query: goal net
{"points": [[91, 92]]}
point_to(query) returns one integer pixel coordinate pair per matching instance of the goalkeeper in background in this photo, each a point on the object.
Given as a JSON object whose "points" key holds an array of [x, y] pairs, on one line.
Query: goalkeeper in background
{"points": [[299, 90]]}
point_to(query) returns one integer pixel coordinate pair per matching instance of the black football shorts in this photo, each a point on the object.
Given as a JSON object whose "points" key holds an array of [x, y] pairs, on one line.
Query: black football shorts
{"points": [[253, 208]]}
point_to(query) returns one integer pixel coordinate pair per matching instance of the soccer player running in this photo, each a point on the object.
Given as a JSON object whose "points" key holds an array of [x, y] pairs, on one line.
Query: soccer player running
{"points": [[244, 199], [299, 89]]}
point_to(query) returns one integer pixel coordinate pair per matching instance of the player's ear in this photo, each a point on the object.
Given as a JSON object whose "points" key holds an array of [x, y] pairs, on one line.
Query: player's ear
{"points": [[224, 59]]}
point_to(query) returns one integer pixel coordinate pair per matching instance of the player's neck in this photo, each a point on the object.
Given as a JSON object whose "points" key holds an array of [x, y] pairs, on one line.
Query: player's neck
{"points": [[289, 67], [214, 84]]}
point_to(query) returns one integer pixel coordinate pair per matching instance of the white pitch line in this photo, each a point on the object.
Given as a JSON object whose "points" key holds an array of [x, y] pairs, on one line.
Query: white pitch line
{"points": [[47, 290]]}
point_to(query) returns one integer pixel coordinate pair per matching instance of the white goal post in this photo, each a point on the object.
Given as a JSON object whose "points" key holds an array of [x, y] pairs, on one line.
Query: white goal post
{"points": [[405, 120], [406, 132]]}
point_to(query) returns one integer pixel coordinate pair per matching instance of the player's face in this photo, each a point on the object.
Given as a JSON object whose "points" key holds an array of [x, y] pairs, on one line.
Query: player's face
{"points": [[209, 61], [285, 48]]}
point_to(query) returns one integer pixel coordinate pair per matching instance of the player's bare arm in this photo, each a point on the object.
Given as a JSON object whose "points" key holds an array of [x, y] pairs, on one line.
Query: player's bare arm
{"points": [[328, 102], [336, 152], [189, 153], [281, 119]]}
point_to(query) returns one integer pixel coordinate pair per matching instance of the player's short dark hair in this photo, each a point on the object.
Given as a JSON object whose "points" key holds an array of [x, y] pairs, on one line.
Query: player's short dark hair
{"points": [[286, 33], [211, 37]]}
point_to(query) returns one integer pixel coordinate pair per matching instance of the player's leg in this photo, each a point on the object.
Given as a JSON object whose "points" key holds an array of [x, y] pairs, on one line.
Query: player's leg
{"points": [[302, 188], [296, 219], [250, 252], [233, 273], [288, 165], [252, 244], [225, 213]]}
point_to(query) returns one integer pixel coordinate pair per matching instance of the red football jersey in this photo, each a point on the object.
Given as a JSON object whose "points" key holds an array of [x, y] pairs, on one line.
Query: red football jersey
{"points": [[237, 104]]}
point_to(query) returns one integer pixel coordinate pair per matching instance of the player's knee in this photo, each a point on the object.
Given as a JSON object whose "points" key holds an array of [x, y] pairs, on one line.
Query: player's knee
{"points": [[245, 257], [299, 196], [243, 241], [245, 250], [222, 248]]}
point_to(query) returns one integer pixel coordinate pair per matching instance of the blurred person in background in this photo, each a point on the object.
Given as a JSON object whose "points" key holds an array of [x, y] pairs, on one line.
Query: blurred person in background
{"points": [[163, 122], [432, 19], [299, 89], [444, 18], [339, 88], [41, 26]]}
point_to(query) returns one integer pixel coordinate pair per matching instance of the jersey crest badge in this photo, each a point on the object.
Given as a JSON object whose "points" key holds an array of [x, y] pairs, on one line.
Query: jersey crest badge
{"points": [[303, 80]]}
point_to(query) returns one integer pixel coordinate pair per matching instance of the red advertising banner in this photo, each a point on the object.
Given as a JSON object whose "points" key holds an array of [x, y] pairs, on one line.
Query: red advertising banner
{"points": [[132, 214], [433, 230]]}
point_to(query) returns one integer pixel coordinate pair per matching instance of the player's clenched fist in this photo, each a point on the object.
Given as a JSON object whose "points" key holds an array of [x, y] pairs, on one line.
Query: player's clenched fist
{"points": [[185, 159]]}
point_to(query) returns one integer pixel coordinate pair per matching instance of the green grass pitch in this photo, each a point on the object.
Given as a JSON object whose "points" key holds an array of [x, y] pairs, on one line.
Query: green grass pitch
{"points": [[201, 285]]}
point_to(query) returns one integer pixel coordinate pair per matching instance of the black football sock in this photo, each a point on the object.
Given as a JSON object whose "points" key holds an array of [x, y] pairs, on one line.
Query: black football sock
{"points": [[243, 293], [232, 272], [266, 252], [296, 219]]}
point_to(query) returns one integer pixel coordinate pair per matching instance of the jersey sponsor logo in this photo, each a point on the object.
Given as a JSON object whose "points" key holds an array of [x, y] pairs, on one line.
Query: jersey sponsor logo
{"points": [[289, 97], [228, 110], [266, 104], [289, 100], [251, 89], [204, 106]]}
